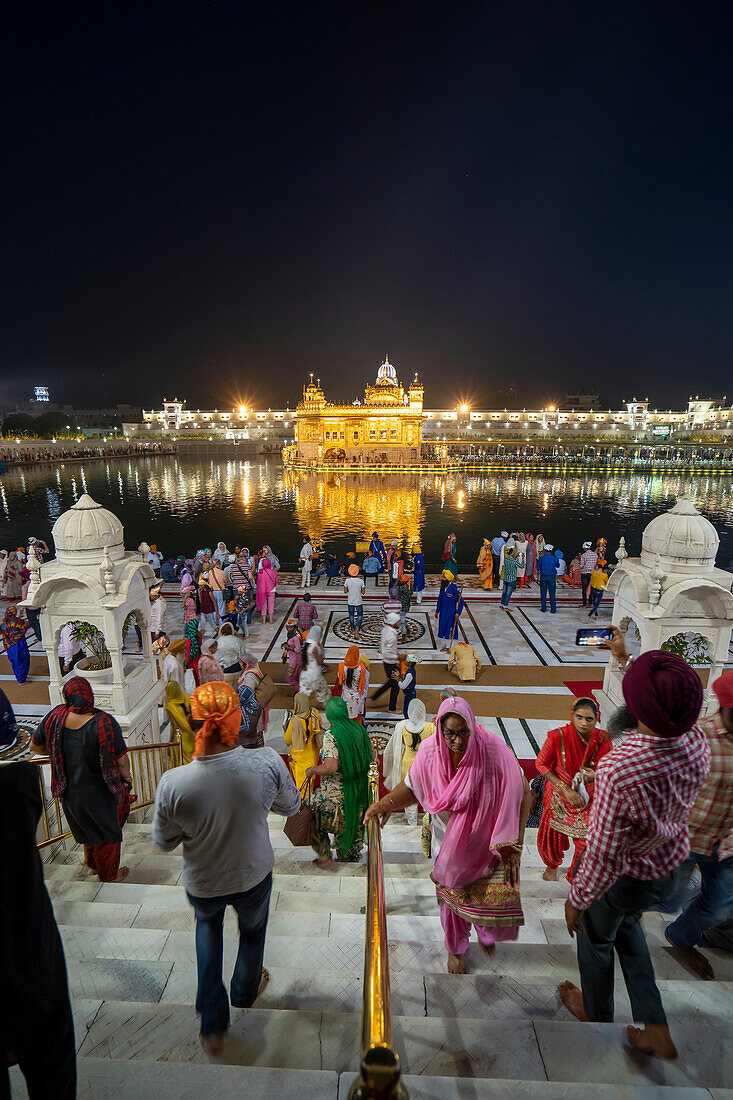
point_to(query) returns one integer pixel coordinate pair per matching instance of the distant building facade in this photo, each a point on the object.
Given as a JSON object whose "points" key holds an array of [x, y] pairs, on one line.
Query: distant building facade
{"points": [[635, 420]]}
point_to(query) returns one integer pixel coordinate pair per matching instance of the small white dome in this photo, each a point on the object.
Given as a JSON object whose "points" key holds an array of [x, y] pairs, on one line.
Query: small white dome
{"points": [[86, 529], [685, 541]]}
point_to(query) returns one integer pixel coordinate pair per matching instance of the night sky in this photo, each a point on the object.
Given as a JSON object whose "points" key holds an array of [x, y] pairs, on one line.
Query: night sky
{"points": [[212, 199]]}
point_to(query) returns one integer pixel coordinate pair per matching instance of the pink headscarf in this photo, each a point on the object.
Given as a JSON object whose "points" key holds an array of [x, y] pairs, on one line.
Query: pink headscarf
{"points": [[483, 797], [266, 581]]}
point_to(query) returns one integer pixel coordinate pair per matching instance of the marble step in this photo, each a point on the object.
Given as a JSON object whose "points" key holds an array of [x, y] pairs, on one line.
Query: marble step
{"points": [[105, 1079], [455, 1088], [476, 1048]]}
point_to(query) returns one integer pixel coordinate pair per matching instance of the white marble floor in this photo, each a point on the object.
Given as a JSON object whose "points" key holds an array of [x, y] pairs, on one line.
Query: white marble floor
{"points": [[499, 1031]]}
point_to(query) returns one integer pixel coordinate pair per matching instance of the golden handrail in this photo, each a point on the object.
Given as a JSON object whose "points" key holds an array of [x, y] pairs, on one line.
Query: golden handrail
{"points": [[147, 763], [380, 1064]]}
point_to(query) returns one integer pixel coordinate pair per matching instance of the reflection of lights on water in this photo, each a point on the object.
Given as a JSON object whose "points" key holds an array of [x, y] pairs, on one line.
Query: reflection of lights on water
{"points": [[5, 502], [545, 502], [73, 489], [119, 485], [83, 479], [461, 501]]}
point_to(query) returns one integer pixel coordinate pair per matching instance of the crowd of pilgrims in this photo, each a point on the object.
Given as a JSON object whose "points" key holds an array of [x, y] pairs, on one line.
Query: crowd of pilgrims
{"points": [[647, 804]]}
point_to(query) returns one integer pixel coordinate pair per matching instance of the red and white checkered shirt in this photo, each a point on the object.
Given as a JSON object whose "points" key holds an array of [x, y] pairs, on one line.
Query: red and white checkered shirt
{"points": [[711, 818], [305, 615], [638, 825]]}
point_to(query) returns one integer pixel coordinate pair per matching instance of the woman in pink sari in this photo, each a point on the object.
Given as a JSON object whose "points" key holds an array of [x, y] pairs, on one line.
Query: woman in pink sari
{"points": [[266, 585], [471, 784]]}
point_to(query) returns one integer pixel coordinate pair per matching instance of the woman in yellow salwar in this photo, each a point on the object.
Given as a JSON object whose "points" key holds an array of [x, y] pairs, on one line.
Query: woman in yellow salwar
{"points": [[484, 561], [304, 737], [178, 705]]}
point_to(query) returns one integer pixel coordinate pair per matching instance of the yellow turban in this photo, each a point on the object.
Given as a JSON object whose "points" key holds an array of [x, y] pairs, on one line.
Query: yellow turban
{"points": [[448, 575]]}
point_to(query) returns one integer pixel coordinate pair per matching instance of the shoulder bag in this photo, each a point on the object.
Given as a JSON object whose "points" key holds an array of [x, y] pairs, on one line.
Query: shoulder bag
{"points": [[298, 827]]}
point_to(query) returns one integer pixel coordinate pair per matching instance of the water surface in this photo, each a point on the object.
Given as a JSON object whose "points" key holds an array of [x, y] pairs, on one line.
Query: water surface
{"points": [[183, 505]]}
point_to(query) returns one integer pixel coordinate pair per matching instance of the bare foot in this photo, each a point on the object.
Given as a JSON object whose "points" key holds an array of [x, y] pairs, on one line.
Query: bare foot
{"points": [[263, 981], [212, 1044], [652, 1039], [456, 965], [691, 959], [572, 998], [550, 874], [321, 863], [121, 874], [488, 949]]}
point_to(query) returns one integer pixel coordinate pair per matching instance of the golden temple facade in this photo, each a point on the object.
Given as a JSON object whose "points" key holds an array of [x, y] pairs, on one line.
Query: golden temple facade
{"points": [[386, 427]]}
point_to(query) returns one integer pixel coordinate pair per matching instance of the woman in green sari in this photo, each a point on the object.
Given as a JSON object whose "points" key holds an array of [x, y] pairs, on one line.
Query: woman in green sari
{"points": [[341, 800]]}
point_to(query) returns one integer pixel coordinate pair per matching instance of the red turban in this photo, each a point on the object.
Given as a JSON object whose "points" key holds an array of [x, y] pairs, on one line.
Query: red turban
{"points": [[664, 692], [723, 688]]}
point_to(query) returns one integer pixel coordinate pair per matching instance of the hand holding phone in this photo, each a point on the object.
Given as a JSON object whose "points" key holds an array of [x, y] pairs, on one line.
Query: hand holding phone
{"points": [[594, 635]]}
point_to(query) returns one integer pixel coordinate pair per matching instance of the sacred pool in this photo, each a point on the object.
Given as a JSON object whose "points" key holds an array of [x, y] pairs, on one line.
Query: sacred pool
{"points": [[183, 505]]}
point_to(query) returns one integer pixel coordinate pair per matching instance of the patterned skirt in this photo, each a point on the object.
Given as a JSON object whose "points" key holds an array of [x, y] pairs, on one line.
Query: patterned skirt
{"points": [[489, 902], [568, 819]]}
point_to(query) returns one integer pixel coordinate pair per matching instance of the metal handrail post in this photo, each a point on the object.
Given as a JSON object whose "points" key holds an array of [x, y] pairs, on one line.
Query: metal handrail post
{"points": [[380, 1065]]}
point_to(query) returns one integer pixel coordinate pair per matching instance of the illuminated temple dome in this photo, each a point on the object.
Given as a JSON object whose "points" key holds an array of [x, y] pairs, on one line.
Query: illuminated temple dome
{"points": [[387, 375], [385, 429]]}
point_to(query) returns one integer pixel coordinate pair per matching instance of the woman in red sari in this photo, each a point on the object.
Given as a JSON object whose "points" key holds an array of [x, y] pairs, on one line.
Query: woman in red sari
{"points": [[568, 753]]}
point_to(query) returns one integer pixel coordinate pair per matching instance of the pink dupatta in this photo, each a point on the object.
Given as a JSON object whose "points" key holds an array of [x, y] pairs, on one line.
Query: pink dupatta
{"points": [[483, 797], [266, 581]]}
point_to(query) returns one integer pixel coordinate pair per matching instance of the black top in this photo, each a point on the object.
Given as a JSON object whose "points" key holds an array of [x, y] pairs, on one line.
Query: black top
{"points": [[89, 804]]}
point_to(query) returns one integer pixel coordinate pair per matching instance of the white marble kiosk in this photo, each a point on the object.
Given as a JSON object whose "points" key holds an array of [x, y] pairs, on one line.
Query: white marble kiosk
{"points": [[94, 579], [673, 592]]}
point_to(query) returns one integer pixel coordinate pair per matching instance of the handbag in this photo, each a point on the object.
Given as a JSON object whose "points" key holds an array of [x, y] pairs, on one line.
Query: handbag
{"points": [[265, 691], [299, 826]]}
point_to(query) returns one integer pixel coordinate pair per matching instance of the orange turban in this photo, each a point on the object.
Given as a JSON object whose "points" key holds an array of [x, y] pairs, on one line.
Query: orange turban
{"points": [[217, 706], [352, 656]]}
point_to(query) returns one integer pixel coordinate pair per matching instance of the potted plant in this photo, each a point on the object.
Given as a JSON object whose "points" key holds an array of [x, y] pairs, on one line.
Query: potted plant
{"points": [[98, 656]]}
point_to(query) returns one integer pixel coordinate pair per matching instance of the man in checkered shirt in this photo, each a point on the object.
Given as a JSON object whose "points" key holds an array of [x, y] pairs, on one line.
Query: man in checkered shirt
{"points": [[711, 839], [637, 838], [588, 562], [305, 614]]}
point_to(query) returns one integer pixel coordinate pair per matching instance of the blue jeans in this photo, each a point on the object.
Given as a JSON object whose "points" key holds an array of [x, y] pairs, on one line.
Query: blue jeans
{"points": [[547, 584], [356, 614], [219, 601], [242, 624], [596, 595], [713, 904], [506, 594], [613, 924], [252, 908]]}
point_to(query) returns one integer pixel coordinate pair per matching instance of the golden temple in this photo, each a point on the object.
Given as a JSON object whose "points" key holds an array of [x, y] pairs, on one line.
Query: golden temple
{"points": [[386, 427]]}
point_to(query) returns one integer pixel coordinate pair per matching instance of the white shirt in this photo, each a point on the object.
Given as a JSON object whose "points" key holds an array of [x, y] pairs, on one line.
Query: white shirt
{"points": [[306, 552], [388, 652], [154, 560], [158, 615], [173, 670], [354, 587], [217, 807], [68, 646]]}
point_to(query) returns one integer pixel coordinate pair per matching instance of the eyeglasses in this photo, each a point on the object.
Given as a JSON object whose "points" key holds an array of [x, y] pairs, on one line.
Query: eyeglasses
{"points": [[451, 735]]}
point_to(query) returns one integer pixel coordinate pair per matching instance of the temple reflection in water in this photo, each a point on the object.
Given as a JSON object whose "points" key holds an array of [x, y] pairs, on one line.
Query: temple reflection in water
{"points": [[326, 507]]}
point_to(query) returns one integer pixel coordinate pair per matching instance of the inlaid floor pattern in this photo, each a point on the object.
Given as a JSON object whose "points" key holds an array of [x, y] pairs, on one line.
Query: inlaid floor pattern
{"points": [[497, 1032]]}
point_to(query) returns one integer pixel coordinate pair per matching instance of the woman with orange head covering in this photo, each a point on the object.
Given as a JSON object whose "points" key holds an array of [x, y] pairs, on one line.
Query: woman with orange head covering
{"points": [[352, 677]]}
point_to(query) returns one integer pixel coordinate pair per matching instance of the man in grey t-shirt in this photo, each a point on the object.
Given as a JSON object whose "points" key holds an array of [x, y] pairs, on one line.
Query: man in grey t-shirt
{"points": [[217, 808]]}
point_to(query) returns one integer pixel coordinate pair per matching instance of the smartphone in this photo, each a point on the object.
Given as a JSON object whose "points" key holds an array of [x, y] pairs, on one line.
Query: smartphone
{"points": [[593, 635]]}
